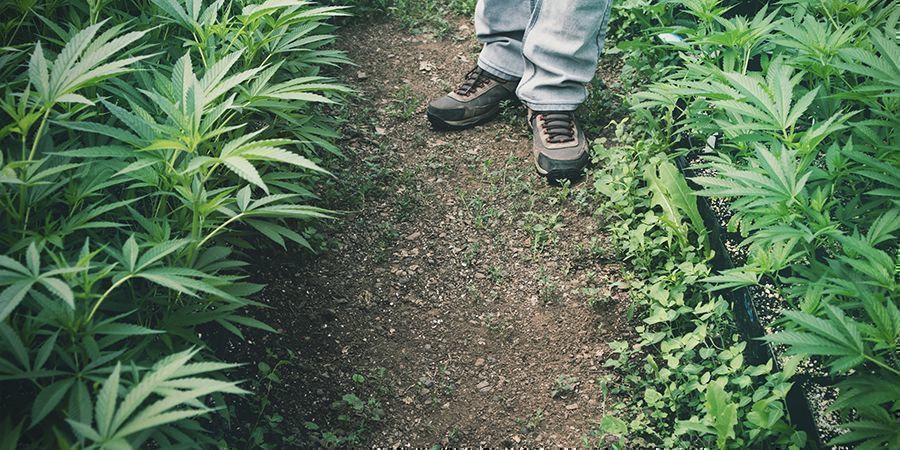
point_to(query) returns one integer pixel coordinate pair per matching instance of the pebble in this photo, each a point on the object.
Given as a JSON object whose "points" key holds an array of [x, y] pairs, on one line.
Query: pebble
{"points": [[479, 362], [571, 407], [482, 385]]}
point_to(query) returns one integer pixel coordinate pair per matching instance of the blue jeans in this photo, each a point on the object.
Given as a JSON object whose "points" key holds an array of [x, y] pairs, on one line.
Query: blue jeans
{"points": [[552, 45]]}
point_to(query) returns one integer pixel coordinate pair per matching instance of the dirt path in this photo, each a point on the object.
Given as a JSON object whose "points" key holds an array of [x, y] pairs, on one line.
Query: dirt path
{"points": [[475, 286]]}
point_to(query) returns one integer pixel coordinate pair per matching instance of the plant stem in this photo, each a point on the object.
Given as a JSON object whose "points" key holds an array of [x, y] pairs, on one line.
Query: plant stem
{"points": [[38, 134], [211, 170], [16, 30], [746, 62], [105, 294], [24, 208], [24, 142], [218, 228], [236, 35], [882, 365]]}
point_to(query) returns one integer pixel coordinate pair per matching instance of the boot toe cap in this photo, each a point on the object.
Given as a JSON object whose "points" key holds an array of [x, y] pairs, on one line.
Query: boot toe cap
{"points": [[564, 162], [446, 108]]}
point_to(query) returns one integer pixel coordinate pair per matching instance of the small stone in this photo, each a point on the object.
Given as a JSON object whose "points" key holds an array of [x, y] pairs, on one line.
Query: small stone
{"points": [[361, 75], [380, 131], [482, 385], [414, 236], [479, 362], [571, 407]]}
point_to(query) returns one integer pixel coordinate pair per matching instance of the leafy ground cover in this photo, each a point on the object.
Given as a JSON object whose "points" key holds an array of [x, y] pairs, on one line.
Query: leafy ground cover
{"points": [[146, 145], [801, 97]]}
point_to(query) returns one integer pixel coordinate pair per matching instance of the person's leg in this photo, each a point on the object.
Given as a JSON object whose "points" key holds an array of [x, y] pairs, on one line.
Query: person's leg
{"points": [[561, 48], [500, 25], [562, 45]]}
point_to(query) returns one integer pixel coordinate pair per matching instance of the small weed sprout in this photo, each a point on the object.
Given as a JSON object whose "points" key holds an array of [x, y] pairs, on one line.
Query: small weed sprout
{"points": [[564, 386]]}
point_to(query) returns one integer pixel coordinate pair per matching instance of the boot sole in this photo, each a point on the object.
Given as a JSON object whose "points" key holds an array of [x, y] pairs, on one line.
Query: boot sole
{"points": [[574, 172], [455, 125]]}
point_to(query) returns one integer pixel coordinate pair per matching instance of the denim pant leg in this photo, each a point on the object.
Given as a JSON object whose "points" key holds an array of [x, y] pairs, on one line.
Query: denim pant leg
{"points": [[500, 25], [561, 48]]}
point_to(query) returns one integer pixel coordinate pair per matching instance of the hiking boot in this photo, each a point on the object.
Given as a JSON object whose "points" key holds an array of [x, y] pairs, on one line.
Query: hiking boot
{"points": [[560, 149], [475, 101]]}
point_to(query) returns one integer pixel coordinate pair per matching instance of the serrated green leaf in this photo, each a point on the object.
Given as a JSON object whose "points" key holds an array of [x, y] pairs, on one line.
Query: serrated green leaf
{"points": [[242, 168], [106, 401], [60, 289], [48, 398], [130, 253], [12, 296]]}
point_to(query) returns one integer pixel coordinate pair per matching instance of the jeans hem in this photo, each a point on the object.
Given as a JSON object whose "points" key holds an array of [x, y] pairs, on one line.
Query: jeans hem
{"points": [[551, 106], [495, 71]]}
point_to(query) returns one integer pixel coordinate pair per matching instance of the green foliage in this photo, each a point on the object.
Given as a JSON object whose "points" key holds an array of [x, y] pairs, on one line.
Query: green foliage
{"points": [[117, 423], [264, 424], [671, 193], [133, 171], [684, 371], [804, 101], [355, 414], [564, 386]]}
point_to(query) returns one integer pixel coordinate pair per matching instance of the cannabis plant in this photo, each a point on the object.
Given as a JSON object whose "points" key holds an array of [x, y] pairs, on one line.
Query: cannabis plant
{"points": [[805, 102], [134, 170]]}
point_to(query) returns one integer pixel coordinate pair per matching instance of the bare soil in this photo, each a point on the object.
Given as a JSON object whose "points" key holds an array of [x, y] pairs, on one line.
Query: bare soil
{"points": [[469, 282]]}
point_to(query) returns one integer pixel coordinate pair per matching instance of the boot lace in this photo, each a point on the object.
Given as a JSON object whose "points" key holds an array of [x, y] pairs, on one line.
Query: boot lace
{"points": [[476, 79], [559, 126]]}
